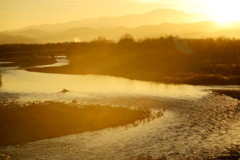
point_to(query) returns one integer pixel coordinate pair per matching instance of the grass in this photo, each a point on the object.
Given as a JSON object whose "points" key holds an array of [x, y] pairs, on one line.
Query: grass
{"points": [[164, 59], [230, 93], [148, 157], [33, 121], [233, 153], [182, 78], [4, 157]]}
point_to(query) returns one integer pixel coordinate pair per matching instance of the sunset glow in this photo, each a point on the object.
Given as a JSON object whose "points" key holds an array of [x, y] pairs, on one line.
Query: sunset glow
{"points": [[16, 14], [119, 79], [222, 11]]}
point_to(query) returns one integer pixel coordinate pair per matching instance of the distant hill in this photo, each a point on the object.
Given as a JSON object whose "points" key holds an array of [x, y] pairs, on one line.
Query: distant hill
{"points": [[187, 30], [33, 33], [150, 18], [151, 24]]}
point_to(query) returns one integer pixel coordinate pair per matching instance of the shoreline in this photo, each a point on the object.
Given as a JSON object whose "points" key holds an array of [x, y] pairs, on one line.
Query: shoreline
{"points": [[184, 78], [231, 93]]}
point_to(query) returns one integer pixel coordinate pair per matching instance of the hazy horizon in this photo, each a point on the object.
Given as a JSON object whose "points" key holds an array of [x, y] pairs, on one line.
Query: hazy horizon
{"points": [[19, 14], [204, 18], [119, 79]]}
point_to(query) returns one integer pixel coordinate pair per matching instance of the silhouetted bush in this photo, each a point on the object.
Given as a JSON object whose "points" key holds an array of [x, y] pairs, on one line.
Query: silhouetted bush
{"points": [[164, 59]]}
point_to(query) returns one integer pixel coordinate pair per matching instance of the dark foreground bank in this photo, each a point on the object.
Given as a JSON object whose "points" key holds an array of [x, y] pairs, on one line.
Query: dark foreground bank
{"points": [[21, 123], [230, 93]]}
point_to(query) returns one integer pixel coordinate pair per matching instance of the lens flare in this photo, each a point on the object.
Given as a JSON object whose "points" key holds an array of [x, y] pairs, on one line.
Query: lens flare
{"points": [[224, 11]]}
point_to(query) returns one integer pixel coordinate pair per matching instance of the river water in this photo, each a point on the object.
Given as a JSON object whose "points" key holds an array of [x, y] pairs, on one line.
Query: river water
{"points": [[195, 120]]}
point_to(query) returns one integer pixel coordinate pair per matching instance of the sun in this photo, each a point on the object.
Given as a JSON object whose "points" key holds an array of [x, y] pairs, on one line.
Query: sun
{"points": [[223, 10], [227, 11]]}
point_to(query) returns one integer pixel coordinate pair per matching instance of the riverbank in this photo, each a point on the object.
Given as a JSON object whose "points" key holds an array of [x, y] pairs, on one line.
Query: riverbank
{"points": [[230, 93], [166, 59], [33, 121], [27, 62], [183, 78]]}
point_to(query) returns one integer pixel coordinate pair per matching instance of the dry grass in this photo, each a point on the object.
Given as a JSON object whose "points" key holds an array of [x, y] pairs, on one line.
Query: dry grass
{"points": [[164, 59], [230, 93], [148, 157], [233, 153]]}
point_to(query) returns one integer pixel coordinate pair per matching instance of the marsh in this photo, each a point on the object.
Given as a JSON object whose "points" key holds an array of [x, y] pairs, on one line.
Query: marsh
{"points": [[195, 120]]}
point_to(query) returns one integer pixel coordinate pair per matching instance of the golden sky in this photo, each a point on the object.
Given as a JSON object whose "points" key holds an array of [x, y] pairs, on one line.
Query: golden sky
{"points": [[20, 13]]}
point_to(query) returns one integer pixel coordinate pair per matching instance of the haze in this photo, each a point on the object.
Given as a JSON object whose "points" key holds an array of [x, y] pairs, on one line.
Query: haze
{"points": [[119, 79], [17, 14]]}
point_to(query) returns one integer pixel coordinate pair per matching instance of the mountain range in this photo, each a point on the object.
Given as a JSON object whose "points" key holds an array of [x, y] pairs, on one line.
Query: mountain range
{"points": [[151, 24]]}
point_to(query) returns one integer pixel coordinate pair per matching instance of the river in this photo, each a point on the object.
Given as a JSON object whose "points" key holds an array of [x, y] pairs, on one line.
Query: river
{"points": [[195, 120]]}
